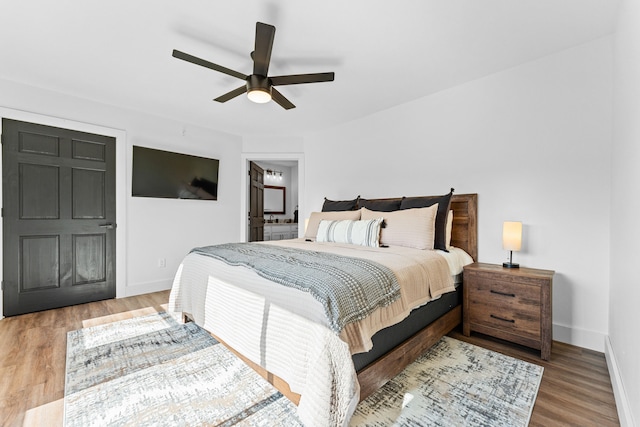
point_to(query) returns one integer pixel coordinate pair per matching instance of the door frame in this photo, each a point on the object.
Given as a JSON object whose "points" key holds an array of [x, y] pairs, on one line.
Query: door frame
{"points": [[121, 184], [244, 184]]}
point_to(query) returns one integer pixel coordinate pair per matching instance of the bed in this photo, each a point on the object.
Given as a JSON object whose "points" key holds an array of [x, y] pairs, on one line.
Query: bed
{"points": [[295, 348]]}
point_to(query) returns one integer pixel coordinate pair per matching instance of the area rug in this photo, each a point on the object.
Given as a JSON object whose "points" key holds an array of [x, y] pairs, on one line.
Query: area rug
{"points": [[152, 370]]}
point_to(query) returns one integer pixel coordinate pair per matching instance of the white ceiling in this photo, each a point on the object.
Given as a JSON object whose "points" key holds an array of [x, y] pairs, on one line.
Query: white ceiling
{"points": [[384, 53]]}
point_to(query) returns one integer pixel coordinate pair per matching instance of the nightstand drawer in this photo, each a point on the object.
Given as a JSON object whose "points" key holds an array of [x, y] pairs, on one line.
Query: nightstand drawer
{"points": [[507, 320], [505, 295]]}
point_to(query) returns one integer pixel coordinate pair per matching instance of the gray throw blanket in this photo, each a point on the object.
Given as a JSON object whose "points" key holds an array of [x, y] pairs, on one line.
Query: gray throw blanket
{"points": [[348, 288]]}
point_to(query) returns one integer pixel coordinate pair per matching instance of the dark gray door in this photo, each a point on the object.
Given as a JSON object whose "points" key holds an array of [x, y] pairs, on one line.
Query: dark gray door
{"points": [[59, 210], [256, 203]]}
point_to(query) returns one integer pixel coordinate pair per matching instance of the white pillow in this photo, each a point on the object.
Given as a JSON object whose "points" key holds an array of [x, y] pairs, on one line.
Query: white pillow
{"points": [[363, 232], [448, 230], [413, 228], [316, 217]]}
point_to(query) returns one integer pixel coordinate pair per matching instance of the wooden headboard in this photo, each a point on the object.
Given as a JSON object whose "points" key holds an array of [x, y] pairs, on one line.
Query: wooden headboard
{"points": [[464, 233]]}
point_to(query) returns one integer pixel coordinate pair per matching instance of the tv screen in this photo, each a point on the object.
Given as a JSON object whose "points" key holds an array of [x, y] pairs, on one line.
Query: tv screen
{"points": [[164, 174]]}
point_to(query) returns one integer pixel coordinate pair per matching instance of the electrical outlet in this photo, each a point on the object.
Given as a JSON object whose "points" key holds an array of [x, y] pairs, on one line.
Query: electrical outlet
{"points": [[162, 262]]}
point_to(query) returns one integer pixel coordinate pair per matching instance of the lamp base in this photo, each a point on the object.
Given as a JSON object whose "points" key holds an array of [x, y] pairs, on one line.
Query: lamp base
{"points": [[510, 265]]}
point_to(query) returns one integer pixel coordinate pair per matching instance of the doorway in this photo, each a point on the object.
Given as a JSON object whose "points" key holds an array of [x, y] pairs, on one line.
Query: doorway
{"points": [[59, 217], [285, 172]]}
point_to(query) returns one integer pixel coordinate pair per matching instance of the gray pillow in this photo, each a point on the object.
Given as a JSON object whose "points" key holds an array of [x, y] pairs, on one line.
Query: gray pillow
{"points": [[380, 205], [339, 205]]}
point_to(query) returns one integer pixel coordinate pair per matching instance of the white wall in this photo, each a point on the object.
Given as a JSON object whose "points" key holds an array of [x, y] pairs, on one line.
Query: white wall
{"points": [[272, 144], [156, 228], [624, 315], [532, 141]]}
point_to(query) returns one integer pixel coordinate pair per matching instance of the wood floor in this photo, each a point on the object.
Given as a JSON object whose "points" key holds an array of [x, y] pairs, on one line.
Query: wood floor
{"points": [[575, 388]]}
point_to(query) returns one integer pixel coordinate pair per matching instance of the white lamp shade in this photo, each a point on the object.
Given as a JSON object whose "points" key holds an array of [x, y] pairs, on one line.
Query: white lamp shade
{"points": [[512, 235]]}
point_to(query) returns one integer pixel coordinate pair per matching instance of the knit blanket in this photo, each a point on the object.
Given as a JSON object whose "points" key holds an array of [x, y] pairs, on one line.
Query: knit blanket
{"points": [[348, 288]]}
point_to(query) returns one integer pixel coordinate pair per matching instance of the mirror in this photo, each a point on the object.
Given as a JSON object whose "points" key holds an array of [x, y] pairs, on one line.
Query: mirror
{"points": [[274, 198]]}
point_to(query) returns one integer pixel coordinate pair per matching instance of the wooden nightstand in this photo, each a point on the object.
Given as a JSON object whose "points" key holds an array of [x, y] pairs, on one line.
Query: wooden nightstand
{"points": [[513, 304]]}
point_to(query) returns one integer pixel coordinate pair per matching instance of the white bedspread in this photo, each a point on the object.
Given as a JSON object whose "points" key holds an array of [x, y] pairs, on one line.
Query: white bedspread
{"points": [[282, 329]]}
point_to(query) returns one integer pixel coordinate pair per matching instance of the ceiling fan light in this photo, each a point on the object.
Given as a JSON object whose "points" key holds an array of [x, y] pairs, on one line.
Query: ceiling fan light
{"points": [[259, 95]]}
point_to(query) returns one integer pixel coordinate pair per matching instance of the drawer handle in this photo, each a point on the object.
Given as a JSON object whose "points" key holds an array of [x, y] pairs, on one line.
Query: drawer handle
{"points": [[503, 319], [503, 293]]}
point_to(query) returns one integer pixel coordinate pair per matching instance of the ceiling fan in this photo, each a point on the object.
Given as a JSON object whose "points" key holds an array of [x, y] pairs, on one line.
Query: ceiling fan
{"points": [[259, 86]]}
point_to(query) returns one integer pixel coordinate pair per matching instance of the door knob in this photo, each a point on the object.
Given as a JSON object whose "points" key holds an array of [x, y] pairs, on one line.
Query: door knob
{"points": [[109, 226]]}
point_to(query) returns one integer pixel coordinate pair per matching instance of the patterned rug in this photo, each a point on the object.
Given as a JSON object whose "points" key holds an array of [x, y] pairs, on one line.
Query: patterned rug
{"points": [[153, 370]]}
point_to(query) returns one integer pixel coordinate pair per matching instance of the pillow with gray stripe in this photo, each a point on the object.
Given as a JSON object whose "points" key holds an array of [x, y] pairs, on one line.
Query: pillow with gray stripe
{"points": [[363, 233]]}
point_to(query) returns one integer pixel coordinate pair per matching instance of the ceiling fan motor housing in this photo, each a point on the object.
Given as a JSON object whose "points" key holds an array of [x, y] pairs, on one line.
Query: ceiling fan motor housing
{"points": [[257, 82]]}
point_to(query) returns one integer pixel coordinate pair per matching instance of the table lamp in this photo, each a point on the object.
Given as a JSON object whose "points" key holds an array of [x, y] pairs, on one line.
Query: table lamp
{"points": [[511, 240]]}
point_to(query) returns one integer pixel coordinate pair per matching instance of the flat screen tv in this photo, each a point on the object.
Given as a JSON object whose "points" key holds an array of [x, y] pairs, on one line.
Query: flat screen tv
{"points": [[164, 174]]}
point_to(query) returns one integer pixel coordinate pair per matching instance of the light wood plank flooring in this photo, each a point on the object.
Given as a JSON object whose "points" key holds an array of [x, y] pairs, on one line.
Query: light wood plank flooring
{"points": [[575, 388]]}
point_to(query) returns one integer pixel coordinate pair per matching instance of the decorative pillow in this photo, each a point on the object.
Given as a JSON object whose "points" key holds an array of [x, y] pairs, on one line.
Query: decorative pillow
{"points": [[444, 205], [413, 228], [380, 205], [339, 205], [316, 217], [449, 228], [362, 232]]}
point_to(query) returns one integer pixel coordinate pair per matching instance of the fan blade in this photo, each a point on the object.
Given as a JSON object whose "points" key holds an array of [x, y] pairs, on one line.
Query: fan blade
{"points": [[230, 95], [207, 64], [280, 99], [295, 79], [262, 53]]}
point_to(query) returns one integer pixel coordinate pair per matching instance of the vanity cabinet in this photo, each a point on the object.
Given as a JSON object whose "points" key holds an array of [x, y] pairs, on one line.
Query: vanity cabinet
{"points": [[280, 231]]}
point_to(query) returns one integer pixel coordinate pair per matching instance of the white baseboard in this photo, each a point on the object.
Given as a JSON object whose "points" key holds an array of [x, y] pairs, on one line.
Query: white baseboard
{"points": [[622, 401], [579, 337], [148, 287]]}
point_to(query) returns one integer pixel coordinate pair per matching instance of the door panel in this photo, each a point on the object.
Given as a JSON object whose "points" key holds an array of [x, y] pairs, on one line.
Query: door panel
{"points": [[89, 254], [58, 195], [88, 150], [38, 144], [38, 191], [88, 194], [256, 203], [41, 261]]}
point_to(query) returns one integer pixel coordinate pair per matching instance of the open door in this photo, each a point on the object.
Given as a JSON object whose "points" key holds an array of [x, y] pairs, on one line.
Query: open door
{"points": [[256, 203]]}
